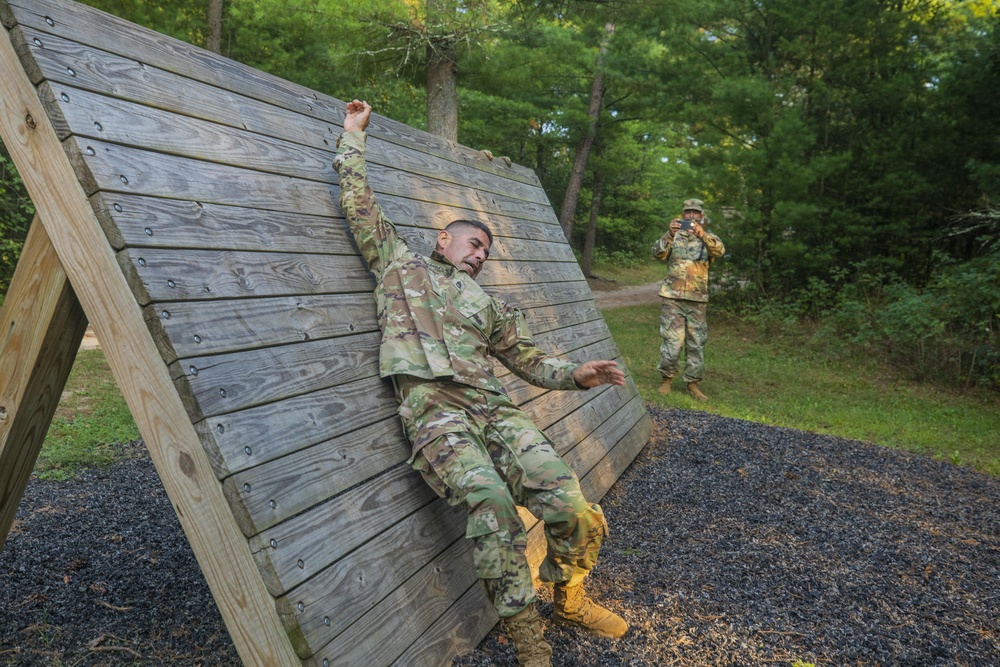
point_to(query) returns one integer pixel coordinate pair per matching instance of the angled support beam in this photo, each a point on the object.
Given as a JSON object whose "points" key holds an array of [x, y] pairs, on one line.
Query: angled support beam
{"points": [[183, 466], [41, 326]]}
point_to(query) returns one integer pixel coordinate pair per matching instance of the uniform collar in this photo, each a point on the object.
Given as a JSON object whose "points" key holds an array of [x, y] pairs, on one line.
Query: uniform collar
{"points": [[448, 267]]}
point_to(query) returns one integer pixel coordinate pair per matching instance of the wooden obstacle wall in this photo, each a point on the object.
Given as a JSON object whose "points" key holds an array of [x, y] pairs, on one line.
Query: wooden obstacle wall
{"points": [[187, 203]]}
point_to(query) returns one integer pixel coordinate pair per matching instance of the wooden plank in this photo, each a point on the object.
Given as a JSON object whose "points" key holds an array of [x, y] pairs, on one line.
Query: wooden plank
{"points": [[417, 213], [114, 35], [145, 128], [578, 424], [586, 453], [239, 440], [330, 602], [544, 295], [140, 222], [549, 407], [156, 274], [392, 625], [266, 495], [211, 327], [221, 550], [291, 552], [459, 630], [527, 273], [197, 328], [546, 318], [120, 168], [603, 475], [41, 326], [185, 118], [225, 383]]}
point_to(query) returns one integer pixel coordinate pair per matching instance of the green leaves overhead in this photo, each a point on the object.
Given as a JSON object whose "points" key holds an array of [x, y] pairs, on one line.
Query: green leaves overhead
{"points": [[820, 135]]}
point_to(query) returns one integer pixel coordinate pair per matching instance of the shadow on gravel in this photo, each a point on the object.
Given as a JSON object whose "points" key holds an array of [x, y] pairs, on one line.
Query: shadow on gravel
{"points": [[731, 543]]}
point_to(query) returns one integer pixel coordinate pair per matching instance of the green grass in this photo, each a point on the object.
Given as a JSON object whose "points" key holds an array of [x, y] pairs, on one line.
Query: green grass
{"points": [[777, 379], [91, 418]]}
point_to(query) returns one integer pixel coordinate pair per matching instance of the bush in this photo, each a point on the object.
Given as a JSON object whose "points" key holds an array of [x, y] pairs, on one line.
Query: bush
{"points": [[946, 331], [16, 211]]}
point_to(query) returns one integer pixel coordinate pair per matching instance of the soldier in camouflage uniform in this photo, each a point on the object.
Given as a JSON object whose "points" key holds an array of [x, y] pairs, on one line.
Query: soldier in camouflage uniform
{"points": [[471, 444], [688, 250]]}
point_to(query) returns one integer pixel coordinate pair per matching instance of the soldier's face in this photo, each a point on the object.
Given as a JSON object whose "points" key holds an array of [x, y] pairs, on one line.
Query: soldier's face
{"points": [[467, 248], [691, 214]]}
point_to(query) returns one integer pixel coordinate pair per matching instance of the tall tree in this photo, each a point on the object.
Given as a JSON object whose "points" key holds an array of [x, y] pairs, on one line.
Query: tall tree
{"points": [[213, 41], [572, 194], [442, 72]]}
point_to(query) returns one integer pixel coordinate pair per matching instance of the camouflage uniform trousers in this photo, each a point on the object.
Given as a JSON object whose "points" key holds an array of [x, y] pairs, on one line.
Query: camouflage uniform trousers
{"points": [[683, 324], [476, 449]]}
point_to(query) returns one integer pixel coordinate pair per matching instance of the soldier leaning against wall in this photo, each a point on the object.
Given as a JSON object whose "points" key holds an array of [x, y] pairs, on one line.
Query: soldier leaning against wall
{"points": [[471, 444]]}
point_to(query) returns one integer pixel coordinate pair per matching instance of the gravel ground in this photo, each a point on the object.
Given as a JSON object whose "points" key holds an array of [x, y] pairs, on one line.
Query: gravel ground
{"points": [[731, 544]]}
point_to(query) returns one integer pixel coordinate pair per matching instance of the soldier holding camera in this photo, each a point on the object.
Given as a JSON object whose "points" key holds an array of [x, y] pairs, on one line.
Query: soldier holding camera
{"points": [[688, 250]]}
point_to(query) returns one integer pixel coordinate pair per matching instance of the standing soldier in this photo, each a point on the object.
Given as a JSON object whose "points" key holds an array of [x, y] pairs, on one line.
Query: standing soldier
{"points": [[688, 250], [471, 444]]}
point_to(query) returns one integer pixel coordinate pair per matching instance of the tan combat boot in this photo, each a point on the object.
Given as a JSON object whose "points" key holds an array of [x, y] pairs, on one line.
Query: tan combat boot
{"points": [[695, 392], [665, 386], [571, 606], [526, 629]]}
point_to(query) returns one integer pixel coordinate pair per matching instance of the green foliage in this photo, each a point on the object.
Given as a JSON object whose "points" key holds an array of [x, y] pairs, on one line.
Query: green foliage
{"points": [[16, 211]]}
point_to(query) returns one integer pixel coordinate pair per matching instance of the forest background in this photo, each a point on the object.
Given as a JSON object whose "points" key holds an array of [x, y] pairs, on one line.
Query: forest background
{"points": [[848, 151]]}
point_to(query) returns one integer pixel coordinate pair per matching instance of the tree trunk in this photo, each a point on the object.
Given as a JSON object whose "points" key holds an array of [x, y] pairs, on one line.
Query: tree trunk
{"points": [[442, 73], [572, 195], [587, 261], [442, 92], [214, 38]]}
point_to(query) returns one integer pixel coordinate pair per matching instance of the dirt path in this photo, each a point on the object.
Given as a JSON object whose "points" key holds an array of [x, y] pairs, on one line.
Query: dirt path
{"points": [[89, 341], [637, 295]]}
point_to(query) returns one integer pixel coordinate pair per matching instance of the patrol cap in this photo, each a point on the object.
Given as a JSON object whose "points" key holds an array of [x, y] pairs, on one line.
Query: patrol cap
{"points": [[694, 205]]}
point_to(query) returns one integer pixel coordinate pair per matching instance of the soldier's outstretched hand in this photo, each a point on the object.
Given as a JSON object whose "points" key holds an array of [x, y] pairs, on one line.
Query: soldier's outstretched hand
{"points": [[358, 115], [596, 373]]}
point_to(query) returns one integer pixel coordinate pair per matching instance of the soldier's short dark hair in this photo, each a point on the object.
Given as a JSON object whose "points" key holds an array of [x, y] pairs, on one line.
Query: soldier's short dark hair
{"points": [[466, 224]]}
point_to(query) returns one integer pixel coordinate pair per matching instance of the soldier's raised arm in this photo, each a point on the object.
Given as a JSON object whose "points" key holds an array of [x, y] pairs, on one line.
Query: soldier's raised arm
{"points": [[373, 232]]}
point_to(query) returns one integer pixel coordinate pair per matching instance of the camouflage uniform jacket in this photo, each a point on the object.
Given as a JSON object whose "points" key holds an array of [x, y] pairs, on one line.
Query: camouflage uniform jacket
{"points": [[437, 322], [688, 258]]}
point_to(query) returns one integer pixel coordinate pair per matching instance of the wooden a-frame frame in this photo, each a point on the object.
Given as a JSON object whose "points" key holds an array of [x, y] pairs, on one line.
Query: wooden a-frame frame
{"points": [[73, 248], [275, 440]]}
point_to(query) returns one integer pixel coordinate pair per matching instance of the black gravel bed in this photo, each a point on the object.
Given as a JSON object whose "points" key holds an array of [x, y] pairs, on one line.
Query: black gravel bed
{"points": [[732, 543]]}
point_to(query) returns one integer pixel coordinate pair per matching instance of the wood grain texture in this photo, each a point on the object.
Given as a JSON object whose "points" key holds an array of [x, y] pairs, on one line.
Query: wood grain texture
{"points": [[275, 491], [228, 294], [89, 263], [239, 440], [41, 326], [296, 550]]}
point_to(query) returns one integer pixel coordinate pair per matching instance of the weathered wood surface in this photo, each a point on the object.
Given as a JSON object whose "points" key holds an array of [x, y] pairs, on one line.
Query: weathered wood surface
{"points": [[206, 190], [41, 326], [180, 460]]}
